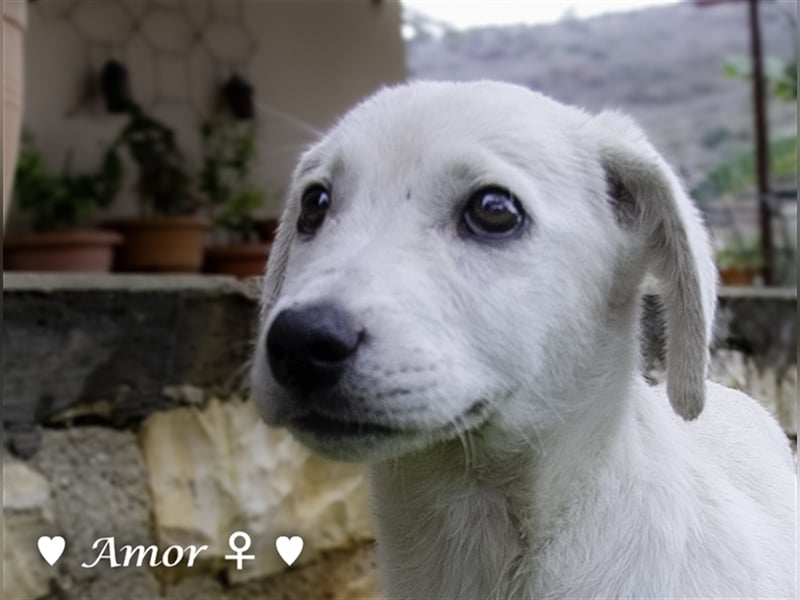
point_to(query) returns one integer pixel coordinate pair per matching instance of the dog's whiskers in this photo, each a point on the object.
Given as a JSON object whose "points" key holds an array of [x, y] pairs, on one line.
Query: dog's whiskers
{"points": [[471, 444], [541, 398], [536, 447], [519, 431], [299, 123], [463, 433]]}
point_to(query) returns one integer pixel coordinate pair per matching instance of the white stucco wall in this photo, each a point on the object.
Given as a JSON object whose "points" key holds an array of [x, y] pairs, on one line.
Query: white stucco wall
{"points": [[309, 60]]}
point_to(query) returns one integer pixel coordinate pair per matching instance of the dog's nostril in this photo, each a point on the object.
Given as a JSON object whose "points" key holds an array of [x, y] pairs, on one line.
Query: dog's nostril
{"points": [[311, 346], [330, 350]]}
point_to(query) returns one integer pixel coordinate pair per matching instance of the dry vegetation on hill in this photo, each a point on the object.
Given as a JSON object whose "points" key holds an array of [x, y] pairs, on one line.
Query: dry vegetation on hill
{"points": [[665, 66]]}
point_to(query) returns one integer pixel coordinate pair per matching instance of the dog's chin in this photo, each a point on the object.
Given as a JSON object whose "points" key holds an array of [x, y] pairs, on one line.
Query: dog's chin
{"points": [[356, 441], [360, 447]]}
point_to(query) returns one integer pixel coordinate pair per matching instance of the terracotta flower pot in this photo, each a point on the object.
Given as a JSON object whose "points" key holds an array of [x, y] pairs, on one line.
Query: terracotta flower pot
{"points": [[266, 228], [161, 244], [737, 276], [239, 260], [79, 250]]}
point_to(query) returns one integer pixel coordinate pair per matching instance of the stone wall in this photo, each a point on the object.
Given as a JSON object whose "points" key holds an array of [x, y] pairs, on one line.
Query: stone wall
{"points": [[124, 415]]}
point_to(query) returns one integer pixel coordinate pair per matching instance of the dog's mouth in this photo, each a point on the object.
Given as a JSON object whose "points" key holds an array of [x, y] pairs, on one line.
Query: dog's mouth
{"points": [[330, 427], [325, 426], [348, 437]]}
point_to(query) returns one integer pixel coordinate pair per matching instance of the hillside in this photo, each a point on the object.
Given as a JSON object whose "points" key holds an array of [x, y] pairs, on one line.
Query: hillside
{"points": [[662, 65]]}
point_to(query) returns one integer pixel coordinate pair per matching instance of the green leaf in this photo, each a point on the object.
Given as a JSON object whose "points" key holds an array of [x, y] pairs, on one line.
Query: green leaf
{"points": [[738, 172], [229, 152], [66, 200]]}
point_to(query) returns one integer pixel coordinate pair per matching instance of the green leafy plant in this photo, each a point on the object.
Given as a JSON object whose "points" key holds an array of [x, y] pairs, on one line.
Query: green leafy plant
{"points": [[66, 200], [228, 154], [740, 251], [737, 173], [781, 76], [163, 185]]}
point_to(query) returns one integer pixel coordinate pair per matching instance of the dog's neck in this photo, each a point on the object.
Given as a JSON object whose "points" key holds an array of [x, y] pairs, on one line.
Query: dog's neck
{"points": [[449, 530], [478, 517]]}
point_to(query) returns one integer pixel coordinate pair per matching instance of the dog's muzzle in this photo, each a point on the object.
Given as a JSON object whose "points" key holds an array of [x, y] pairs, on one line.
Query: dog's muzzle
{"points": [[309, 348]]}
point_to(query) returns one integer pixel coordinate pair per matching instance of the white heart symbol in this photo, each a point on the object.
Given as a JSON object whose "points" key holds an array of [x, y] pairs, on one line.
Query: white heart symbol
{"points": [[51, 548], [289, 548]]}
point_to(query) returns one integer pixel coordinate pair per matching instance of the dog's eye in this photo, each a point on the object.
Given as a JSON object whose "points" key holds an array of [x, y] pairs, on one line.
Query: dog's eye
{"points": [[313, 208], [493, 213]]}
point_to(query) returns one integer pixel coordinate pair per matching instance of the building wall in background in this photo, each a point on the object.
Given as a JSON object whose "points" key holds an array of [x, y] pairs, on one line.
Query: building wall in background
{"points": [[309, 62]]}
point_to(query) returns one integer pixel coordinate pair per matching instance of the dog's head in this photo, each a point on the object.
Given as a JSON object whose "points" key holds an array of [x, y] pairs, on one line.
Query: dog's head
{"points": [[452, 253]]}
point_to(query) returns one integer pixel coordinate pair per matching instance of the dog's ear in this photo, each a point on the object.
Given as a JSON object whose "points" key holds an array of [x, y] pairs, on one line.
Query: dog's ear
{"points": [[278, 258], [649, 201]]}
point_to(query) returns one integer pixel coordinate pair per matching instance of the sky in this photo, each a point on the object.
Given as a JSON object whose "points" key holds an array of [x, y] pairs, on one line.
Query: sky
{"points": [[463, 14]]}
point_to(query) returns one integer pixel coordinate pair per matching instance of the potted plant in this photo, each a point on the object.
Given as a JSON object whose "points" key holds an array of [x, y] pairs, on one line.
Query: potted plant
{"points": [[739, 261], [229, 151], [59, 207], [168, 235]]}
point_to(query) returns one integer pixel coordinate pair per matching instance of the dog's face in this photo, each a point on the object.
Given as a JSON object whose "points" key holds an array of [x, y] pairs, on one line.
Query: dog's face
{"points": [[449, 255]]}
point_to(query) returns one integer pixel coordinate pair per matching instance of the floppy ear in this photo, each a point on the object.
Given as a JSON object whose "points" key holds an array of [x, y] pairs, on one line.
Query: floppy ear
{"points": [[651, 203], [278, 258]]}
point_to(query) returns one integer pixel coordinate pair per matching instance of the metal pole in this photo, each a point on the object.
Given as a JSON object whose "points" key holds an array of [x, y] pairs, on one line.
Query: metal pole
{"points": [[762, 148]]}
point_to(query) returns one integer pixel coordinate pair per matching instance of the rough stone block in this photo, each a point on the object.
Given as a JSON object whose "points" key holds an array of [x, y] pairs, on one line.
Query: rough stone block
{"points": [[338, 575], [217, 470], [27, 514], [99, 488], [775, 389]]}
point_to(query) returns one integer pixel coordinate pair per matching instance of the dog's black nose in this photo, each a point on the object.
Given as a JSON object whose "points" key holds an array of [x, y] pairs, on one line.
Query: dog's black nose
{"points": [[310, 347]]}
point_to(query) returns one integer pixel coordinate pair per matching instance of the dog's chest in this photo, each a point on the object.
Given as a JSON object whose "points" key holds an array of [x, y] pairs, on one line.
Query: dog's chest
{"points": [[434, 543]]}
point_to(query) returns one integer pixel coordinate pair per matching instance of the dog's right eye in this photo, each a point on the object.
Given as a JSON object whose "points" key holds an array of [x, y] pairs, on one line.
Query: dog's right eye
{"points": [[493, 213], [313, 208]]}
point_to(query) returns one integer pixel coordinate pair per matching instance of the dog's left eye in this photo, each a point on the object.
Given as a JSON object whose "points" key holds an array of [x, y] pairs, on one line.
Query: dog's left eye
{"points": [[493, 213], [313, 208]]}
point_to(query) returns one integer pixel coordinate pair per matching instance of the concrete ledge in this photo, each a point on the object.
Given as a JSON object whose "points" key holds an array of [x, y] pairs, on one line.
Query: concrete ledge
{"points": [[105, 349], [58, 282]]}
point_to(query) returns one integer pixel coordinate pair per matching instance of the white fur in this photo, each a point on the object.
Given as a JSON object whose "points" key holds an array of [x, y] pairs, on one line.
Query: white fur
{"points": [[573, 478]]}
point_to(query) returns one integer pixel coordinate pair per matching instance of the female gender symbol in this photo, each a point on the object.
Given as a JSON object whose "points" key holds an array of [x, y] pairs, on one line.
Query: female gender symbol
{"points": [[239, 556]]}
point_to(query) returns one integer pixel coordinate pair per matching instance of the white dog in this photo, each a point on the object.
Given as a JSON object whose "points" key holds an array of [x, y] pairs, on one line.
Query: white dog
{"points": [[454, 296]]}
